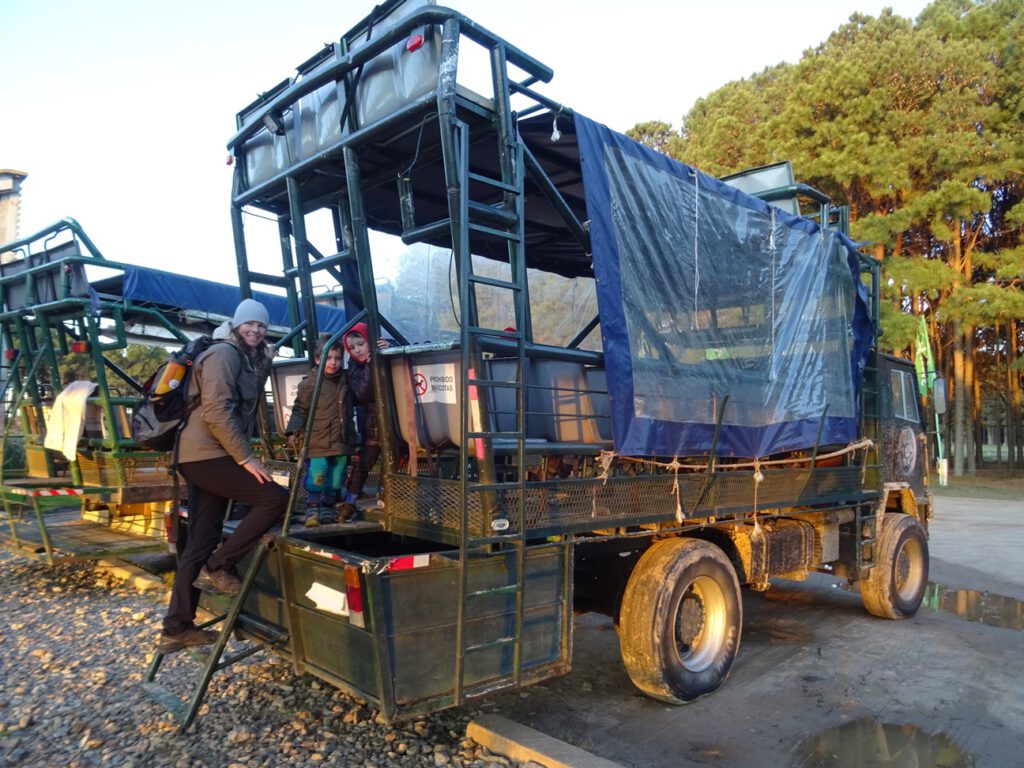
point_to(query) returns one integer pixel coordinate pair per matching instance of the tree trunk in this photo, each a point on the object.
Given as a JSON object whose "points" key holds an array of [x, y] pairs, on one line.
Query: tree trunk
{"points": [[1014, 433], [959, 402], [1000, 431], [974, 432]]}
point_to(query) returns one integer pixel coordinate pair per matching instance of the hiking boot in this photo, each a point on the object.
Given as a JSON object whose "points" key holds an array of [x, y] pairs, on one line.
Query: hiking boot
{"points": [[190, 638], [328, 517], [221, 582]]}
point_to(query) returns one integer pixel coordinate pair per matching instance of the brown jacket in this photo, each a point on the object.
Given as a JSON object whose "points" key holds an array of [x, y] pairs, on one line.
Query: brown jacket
{"points": [[229, 392], [333, 429]]}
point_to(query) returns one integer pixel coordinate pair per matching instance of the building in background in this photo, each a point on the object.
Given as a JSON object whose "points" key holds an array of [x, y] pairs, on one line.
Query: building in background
{"points": [[10, 204]]}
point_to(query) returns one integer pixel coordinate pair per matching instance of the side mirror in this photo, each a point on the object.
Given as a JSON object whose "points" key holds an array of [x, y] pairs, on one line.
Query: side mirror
{"points": [[940, 394]]}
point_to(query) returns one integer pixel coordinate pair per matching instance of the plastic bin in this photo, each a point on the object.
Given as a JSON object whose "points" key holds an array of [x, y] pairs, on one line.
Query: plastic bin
{"points": [[428, 392]]}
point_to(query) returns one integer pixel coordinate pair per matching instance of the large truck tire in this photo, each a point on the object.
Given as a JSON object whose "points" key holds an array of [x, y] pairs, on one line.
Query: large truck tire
{"points": [[895, 587], [681, 619]]}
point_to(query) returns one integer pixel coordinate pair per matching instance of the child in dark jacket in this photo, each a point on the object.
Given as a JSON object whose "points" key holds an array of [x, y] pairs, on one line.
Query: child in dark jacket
{"points": [[357, 342], [332, 439]]}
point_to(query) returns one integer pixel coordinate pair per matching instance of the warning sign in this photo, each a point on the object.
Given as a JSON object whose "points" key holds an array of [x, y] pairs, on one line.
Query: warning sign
{"points": [[435, 383]]}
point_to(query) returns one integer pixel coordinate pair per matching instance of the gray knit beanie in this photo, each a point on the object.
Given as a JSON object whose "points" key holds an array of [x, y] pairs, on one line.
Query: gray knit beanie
{"points": [[250, 311]]}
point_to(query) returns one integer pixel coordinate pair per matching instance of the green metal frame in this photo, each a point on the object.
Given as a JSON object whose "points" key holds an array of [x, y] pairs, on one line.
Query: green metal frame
{"points": [[38, 333]]}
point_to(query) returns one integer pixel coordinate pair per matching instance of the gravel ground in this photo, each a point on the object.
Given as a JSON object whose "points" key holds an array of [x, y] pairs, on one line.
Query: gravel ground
{"points": [[76, 643]]}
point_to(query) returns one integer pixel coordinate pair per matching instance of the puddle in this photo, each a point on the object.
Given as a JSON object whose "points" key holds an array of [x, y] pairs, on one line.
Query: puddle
{"points": [[982, 607], [867, 743]]}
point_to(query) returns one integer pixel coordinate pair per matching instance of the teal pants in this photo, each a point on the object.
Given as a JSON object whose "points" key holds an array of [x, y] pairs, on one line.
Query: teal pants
{"points": [[325, 478]]}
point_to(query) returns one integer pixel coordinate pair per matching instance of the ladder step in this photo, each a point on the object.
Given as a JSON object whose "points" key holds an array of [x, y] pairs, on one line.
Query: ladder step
{"points": [[165, 698], [495, 282], [480, 331], [245, 653], [265, 631], [496, 183], [513, 236]]}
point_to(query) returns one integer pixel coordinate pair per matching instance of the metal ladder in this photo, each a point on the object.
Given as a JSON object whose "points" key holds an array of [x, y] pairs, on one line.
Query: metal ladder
{"points": [[184, 712], [504, 221], [866, 523]]}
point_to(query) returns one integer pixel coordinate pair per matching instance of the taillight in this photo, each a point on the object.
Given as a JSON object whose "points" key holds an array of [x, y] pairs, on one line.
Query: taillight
{"points": [[354, 596], [171, 529]]}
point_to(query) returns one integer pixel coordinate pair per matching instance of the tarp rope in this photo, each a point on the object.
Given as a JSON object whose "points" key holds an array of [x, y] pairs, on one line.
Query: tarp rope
{"points": [[608, 457]]}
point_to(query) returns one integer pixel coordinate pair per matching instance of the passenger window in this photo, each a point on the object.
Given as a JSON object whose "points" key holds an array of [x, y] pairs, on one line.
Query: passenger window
{"points": [[904, 396]]}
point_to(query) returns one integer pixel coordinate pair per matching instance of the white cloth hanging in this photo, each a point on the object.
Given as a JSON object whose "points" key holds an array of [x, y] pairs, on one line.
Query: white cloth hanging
{"points": [[67, 418]]}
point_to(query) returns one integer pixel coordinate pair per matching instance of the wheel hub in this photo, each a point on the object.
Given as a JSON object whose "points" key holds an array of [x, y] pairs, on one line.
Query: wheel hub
{"points": [[701, 625]]}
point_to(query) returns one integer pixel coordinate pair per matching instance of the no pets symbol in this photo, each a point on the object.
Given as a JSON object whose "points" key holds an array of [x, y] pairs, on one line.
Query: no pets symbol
{"points": [[419, 384]]}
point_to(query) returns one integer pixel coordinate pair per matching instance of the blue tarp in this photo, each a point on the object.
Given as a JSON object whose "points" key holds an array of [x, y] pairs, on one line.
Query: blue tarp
{"points": [[708, 296], [141, 284]]}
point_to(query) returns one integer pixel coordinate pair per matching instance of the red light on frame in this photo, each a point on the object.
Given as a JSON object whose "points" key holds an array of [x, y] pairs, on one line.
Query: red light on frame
{"points": [[354, 596], [10, 353], [79, 347], [414, 43]]}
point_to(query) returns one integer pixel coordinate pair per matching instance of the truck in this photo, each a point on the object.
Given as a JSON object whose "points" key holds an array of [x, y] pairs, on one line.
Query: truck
{"points": [[721, 419]]}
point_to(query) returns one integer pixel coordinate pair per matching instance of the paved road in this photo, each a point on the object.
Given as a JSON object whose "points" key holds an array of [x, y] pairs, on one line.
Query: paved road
{"points": [[978, 544], [934, 689]]}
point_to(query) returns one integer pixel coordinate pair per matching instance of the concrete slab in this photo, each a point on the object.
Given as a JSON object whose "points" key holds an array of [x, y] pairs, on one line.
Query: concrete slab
{"points": [[133, 575], [526, 745]]}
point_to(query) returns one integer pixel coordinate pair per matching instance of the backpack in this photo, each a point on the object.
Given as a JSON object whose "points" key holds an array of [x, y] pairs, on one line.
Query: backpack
{"points": [[163, 409]]}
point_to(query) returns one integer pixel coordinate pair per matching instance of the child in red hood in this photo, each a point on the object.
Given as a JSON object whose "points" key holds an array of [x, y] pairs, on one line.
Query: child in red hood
{"points": [[360, 381]]}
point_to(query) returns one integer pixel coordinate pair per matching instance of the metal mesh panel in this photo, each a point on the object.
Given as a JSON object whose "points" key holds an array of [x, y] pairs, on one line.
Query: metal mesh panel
{"points": [[595, 503], [103, 469], [433, 501]]}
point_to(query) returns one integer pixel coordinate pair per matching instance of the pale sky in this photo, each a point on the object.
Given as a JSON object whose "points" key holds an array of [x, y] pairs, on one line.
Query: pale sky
{"points": [[120, 110]]}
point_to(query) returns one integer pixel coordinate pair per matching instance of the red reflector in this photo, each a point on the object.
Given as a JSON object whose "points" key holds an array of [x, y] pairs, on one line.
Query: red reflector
{"points": [[78, 347], [408, 562], [414, 42], [354, 595], [230, 160], [11, 353]]}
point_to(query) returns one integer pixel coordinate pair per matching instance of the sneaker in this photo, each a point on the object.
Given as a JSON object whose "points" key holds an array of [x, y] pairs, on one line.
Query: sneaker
{"points": [[222, 582], [328, 517], [347, 511], [190, 638], [312, 521]]}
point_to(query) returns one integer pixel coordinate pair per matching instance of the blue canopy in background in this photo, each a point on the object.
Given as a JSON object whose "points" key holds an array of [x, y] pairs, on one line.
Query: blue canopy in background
{"points": [[141, 284], [708, 296]]}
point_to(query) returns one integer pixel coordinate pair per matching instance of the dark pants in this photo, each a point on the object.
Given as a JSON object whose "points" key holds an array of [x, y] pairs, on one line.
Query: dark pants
{"points": [[212, 483], [368, 456]]}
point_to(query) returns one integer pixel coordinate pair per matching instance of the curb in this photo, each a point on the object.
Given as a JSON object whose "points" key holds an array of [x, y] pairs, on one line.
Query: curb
{"points": [[142, 580], [524, 744]]}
